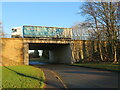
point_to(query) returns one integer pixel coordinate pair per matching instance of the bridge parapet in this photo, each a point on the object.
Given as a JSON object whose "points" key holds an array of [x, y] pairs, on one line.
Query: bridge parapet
{"points": [[56, 41]]}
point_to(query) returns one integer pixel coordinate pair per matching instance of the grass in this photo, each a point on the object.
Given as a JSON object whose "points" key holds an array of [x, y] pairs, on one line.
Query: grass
{"points": [[0, 77], [22, 77], [111, 67], [41, 59]]}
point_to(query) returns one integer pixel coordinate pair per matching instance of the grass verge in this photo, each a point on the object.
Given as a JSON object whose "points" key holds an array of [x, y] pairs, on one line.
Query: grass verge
{"points": [[0, 77], [22, 77], [43, 60], [110, 67]]}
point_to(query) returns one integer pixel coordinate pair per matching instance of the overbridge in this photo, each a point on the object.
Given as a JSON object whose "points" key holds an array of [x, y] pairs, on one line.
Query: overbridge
{"points": [[15, 50]]}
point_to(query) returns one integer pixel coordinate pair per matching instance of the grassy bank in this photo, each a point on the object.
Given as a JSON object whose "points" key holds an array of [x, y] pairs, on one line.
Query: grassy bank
{"points": [[111, 67], [22, 77]]}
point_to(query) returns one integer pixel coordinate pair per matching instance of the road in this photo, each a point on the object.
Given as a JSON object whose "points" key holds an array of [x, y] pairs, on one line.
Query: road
{"points": [[80, 77]]}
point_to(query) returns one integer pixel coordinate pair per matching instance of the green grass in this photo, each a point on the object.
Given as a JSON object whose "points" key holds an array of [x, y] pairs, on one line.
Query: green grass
{"points": [[0, 77], [43, 60], [22, 77], [112, 67]]}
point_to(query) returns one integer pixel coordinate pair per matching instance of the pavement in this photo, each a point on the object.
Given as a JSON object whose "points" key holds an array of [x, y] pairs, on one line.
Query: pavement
{"points": [[52, 80], [66, 76]]}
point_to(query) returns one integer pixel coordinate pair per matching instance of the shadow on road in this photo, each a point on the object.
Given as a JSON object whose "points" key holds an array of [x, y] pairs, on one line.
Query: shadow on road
{"points": [[90, 73], [52, 83]]}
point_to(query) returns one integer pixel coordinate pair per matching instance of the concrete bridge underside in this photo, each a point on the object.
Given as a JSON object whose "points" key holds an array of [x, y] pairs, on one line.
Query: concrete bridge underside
{"points": [[58, 53]]}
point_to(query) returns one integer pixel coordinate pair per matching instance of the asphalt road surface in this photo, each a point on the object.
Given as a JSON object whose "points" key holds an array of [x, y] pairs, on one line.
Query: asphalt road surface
{"points": [[80, 77]]}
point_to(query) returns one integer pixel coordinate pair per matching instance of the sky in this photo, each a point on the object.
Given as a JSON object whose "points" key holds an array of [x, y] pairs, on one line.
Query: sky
{"points": [[51, 14], [40, 52]]}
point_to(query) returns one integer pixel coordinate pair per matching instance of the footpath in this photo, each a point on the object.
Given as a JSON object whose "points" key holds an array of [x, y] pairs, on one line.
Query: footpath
{"points": [[52, 80]]}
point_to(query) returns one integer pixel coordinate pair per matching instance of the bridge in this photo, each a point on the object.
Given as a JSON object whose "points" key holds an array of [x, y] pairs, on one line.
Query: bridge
{"points": [[15, 50]]}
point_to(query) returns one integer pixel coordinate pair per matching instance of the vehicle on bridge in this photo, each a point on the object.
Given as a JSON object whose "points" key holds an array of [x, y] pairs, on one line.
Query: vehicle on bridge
{"points": [[41, 32]]}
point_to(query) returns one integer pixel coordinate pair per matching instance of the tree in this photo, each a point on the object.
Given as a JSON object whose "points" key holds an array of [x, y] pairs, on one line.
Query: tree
{"points": [[2, 34], [45, 54], [36, 54], [104, 16], [81, 30]]}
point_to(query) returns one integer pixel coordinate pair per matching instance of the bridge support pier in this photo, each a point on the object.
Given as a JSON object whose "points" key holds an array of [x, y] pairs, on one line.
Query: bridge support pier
{"points": [[26, 54], [62, 54]]}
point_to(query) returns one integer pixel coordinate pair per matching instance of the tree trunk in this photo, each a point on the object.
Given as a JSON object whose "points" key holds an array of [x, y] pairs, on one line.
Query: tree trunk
{"points": [[101, 56], [115, 55]]}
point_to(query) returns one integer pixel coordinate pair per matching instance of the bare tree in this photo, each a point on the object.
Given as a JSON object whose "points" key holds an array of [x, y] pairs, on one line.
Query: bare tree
{"points": [[2, 34], [105, 26], [79, 29]]}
